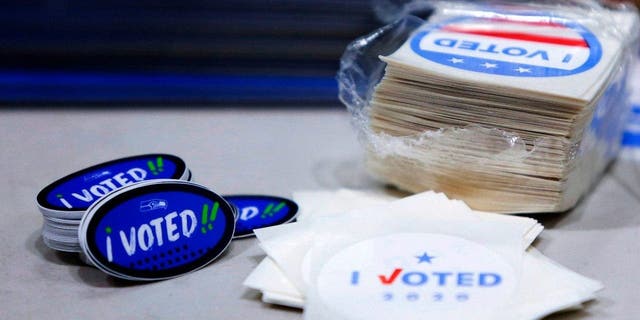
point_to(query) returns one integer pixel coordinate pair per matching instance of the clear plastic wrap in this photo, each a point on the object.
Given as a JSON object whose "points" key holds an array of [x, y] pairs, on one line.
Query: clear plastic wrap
{"points": [[500, 141]]}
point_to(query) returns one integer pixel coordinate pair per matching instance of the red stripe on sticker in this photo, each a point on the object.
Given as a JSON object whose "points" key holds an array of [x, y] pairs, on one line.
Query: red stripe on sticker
{"points": [[519, 36], [540, 23]]}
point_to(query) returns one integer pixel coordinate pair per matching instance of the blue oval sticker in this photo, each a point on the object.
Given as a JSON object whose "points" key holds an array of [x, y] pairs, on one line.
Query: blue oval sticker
{"points": [[156, 230], [77, 191], [257, 211]]}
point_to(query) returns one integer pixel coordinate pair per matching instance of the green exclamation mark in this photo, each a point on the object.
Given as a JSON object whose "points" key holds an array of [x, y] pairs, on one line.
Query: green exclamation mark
{"points": [[205, 209], [156, 167], [270, 210], [208, 219], [278, 207], [267, 211], [160, 164], [152, 167]]}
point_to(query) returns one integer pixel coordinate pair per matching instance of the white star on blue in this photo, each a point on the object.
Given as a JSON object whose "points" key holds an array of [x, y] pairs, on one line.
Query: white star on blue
{"points": [[523, 70], [425, 258], [455, 60], [489, 65]]}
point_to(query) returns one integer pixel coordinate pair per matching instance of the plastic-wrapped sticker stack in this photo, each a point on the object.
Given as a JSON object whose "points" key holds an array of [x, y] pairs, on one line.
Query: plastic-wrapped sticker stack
{"points": [[631, 138], [423, 256], [512, 109]]}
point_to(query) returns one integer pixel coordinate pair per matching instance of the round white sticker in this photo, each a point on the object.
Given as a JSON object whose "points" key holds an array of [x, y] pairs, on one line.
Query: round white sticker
{"points": [[415, 276]]}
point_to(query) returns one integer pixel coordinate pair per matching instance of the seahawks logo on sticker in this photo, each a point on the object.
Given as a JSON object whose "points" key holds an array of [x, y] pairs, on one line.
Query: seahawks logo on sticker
{"points": [[156, 230], [77, 191], [516, 45], [257, 211]]}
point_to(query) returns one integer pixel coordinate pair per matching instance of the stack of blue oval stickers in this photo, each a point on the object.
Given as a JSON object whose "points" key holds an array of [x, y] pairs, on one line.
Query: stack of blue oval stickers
{"points": [[64, 202], [138, 219]]}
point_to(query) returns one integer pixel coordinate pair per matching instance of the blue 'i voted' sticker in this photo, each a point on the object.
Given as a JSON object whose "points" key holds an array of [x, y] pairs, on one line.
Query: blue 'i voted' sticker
{"points": [[77, 191], [156, 230], [258, 211]]}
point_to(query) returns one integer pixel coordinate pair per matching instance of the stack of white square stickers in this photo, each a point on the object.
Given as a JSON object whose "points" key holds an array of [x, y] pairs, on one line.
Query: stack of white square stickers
{"points": [[512, 109], [420, 257]]}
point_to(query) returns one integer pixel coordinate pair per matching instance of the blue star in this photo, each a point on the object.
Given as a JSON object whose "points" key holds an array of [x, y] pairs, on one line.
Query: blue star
{"points": [[425, 258]]}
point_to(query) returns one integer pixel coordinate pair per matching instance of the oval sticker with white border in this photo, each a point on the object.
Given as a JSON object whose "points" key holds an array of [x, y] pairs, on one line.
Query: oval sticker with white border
{"points": [[156, 230], [77, 191], [260, 211]]}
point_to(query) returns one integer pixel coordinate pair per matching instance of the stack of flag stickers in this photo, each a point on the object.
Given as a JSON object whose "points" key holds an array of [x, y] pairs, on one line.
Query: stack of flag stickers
{"points": [[420, 257], [64, 202], [512, 109]]}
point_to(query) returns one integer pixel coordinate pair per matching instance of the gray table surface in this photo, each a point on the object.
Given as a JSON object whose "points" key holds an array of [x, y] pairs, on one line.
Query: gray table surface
{"points": [[261, 151]]}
